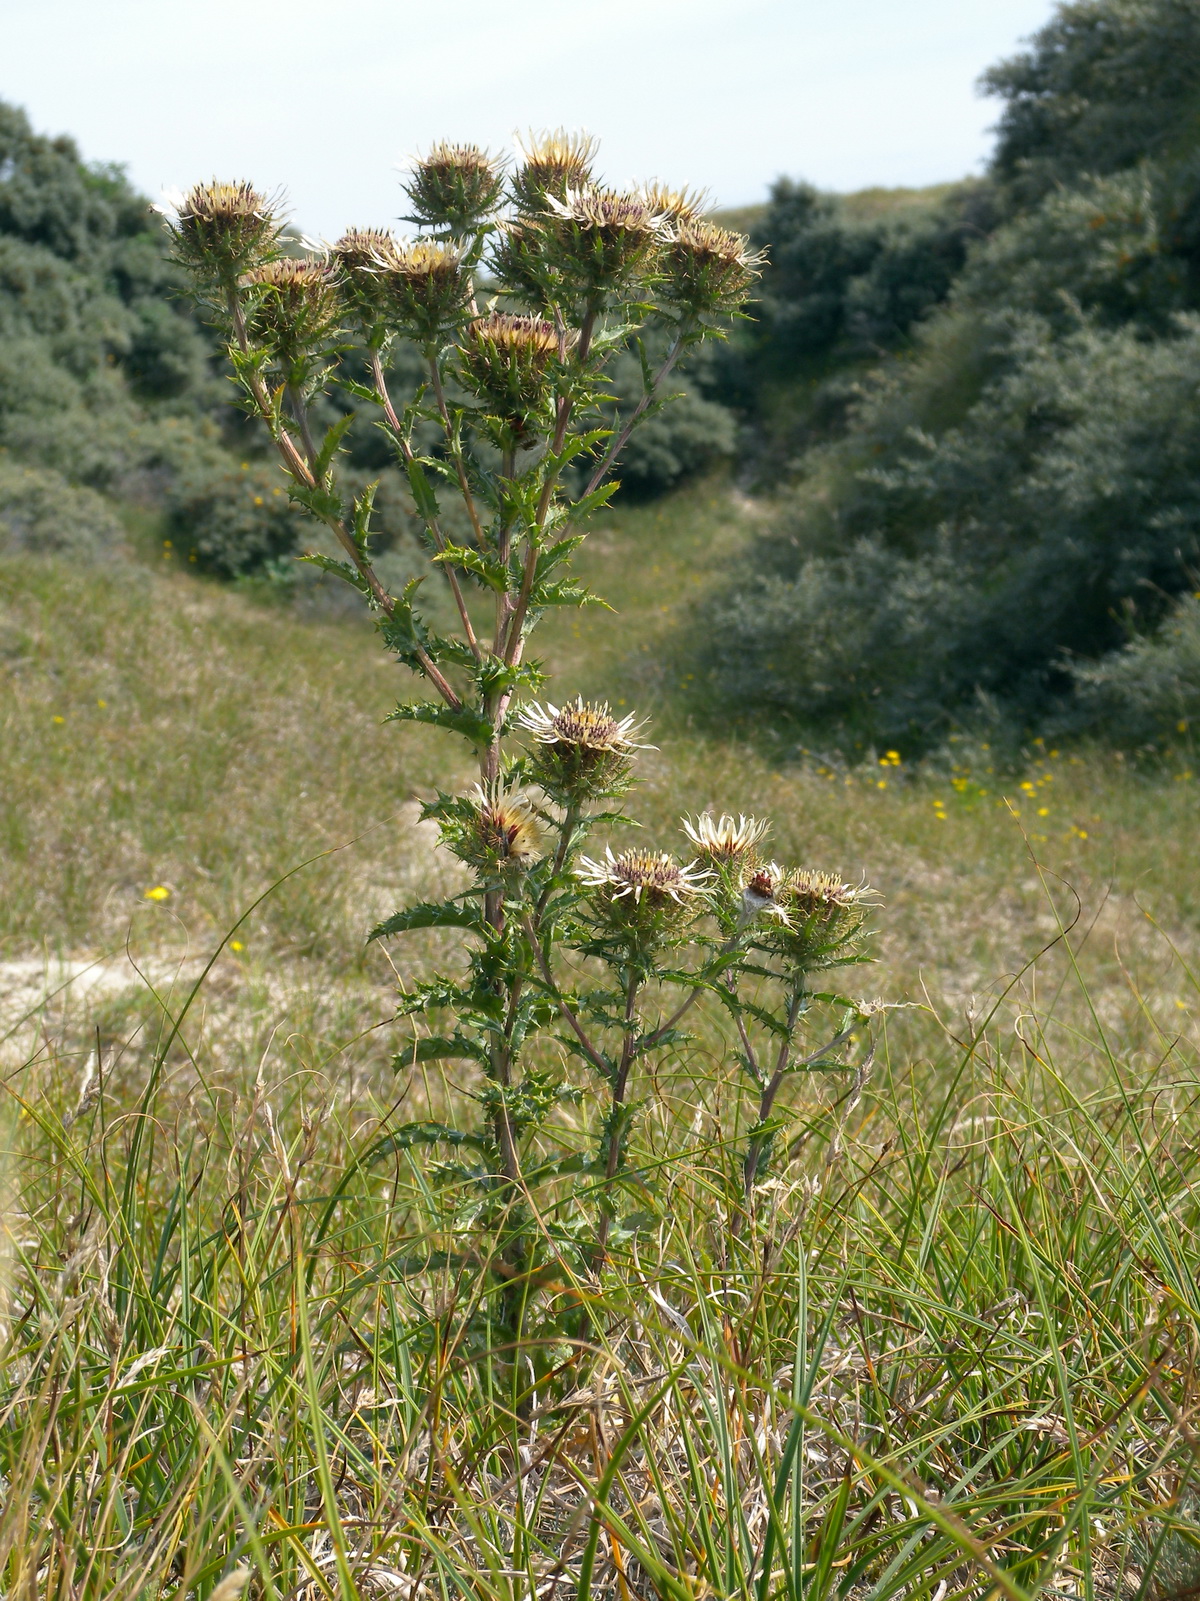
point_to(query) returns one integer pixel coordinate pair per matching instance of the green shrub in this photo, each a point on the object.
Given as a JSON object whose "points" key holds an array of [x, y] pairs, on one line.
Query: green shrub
{"points": [[233, 521], [1150, 688], [40, 511]]}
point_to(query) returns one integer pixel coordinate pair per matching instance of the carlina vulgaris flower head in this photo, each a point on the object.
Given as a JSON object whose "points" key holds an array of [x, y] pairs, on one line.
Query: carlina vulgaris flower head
{"points": [[492, 830], [356, 253], [675, 205], [706, 269], [600, 240], [222, 230], [643, 886], [423, 288], [551, 164], [582, 751], [722, 840], [507, 360], [295, 304], [823, 917], [454, 189]]}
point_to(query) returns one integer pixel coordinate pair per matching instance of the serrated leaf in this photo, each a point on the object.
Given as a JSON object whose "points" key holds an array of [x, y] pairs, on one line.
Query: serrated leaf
{"points": [[410, 1134], [429, 914], [422, 491], [487, 569], [333, 438], [440, 1048], [341, 569], [473, 726]]}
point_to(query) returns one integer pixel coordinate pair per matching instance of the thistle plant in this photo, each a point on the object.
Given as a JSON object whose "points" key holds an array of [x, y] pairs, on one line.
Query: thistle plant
{"points": [[582, 961]]}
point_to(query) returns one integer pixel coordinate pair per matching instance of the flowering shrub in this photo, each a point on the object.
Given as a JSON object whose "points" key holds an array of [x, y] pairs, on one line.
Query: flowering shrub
{"points": [[517, 294]]}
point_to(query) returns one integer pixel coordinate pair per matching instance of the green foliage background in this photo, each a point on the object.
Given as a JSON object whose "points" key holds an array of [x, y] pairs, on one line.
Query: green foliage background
{"points": [[981, 413]]}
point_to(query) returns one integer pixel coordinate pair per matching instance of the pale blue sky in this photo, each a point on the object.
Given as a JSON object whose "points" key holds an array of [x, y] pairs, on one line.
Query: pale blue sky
{"points": [[326, 98]]}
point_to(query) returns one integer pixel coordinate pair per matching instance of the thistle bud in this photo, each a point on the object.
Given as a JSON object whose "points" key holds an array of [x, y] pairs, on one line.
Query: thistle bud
{"points": [[706, 269], [508, 361], [581, 751], [222, 230], [519, 263], [554, 164], [820, 919], [454, 189], [294, 306]]}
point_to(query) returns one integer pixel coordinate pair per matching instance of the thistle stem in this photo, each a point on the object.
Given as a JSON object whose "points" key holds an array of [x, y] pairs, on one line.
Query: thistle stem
{"points": [[299, 469], [435, 531], [617, 445], [616, 1107], [455, 449]]}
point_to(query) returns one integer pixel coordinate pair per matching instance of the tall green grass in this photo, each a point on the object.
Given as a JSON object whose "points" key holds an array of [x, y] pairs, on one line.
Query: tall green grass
{"points": [[956, 1354]]}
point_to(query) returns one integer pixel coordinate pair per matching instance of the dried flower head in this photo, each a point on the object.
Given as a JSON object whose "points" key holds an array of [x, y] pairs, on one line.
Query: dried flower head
{"points": [[705, 268], [454, 188], [552, 163], [600, 240], [722, 840], [507, 361], [650, 878], [422, 285], [582, 751], [294, 305], [222, 230]]}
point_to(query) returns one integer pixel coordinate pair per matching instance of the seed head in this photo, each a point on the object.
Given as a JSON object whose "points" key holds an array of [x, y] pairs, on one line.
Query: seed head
{"points": [[222, 230], [705, 268], [454, 188], [552, 164], [650, 878], [721, 840], [582, 751]]}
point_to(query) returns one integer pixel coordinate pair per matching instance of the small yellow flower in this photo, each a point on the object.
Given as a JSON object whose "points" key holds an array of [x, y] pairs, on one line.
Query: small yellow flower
{"points": [[57, 719], [1181, 726], [1043, 811], [236, 945], [160, 892], [102, 704], [258, 500]]}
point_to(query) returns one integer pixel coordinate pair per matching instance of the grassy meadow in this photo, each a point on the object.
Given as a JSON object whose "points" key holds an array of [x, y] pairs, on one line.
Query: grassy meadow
{"points": [[956, 1354]]}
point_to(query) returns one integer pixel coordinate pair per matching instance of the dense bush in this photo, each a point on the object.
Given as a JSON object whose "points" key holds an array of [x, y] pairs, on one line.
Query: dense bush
{"points": [[1024, 485], [40, 510]]}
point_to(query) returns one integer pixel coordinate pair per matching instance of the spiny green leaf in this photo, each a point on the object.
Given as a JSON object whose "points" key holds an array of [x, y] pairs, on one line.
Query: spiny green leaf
{"points": [[329, 445], [472, 725], [429, 914], [487, 569], [342, 569]]}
